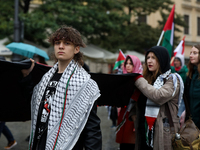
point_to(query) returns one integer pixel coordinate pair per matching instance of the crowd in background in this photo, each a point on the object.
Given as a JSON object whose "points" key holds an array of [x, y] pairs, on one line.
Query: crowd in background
{"points": [[142, 124], [135, 136]]}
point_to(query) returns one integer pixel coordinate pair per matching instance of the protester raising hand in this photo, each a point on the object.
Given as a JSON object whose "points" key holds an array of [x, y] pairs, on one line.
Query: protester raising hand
{"points": [[26, 72]]}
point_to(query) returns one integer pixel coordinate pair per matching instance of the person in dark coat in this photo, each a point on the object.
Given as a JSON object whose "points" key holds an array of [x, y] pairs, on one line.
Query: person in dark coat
{"points": [[192, 86], [113, 115], [63, 103]]}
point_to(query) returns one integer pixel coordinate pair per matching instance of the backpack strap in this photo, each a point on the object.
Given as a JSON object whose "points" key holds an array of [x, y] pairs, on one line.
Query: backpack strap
{"points": [[169, 114], [171, 123]]}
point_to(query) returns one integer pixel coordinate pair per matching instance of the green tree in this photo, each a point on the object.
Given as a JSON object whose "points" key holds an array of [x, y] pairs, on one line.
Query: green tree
{"points": [[92, 18], [6, 17], [135, 35], [102, 22]]}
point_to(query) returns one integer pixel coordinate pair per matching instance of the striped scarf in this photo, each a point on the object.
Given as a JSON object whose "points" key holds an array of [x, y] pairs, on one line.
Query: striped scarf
{"points": [[82, 92]]}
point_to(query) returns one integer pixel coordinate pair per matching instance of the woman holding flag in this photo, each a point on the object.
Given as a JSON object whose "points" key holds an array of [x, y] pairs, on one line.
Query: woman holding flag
{"points": [[161, 92]]}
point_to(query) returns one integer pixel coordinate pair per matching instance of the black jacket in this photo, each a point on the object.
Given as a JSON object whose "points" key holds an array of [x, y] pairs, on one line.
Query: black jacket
{"points": [[193, 104], [187, 89], [90, 138]]}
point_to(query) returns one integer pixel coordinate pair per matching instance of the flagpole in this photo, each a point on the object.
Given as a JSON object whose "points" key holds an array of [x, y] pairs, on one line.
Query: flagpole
{"points": [[160, 38]]}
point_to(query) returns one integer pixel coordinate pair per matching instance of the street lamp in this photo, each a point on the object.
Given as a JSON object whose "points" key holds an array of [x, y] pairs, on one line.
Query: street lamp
{"points": [[16, 57]]}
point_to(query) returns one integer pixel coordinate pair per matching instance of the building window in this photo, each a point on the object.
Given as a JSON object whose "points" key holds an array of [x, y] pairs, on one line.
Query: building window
{"points": [[186, 29], [198, 26], [142, 19]]}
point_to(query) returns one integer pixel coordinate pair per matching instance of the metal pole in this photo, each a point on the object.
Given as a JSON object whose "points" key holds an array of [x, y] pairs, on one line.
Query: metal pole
{"points": [[160, 38], [16, 22], [16, 57]]}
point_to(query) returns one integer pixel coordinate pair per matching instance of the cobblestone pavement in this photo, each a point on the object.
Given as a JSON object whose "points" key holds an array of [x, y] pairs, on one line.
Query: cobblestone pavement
{"points": [[21, 131]]}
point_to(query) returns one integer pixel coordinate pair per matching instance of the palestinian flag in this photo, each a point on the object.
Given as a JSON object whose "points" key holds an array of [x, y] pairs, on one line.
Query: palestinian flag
{"points": [[179, 50], [151, 112], [169, 33], [121, 58]]}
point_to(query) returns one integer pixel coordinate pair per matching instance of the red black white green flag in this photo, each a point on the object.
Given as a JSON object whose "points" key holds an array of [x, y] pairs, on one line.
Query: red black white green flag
{"points": [[168, 32], [121, 58], [180, 48]]}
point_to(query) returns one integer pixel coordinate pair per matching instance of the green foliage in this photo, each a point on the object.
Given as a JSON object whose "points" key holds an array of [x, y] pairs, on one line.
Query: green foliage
{"points": [[94, 20], [132, 37], [146, 6], [6, 17], [101, 22]]}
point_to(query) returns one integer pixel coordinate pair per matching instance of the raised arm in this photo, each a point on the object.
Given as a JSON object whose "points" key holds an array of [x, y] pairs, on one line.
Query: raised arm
{"points": [[159, 96], [26, 72]]}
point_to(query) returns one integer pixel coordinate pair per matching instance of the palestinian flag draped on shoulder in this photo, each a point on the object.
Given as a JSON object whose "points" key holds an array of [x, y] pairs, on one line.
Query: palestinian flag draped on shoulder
{"points": [[121, 58], [168, 32]]}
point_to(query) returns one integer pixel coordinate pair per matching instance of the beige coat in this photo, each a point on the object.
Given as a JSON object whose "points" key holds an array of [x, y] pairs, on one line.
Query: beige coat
{"points": [[162, 96]]}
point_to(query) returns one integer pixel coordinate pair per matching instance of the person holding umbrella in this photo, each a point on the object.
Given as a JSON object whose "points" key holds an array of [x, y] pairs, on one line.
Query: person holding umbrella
{"points": [[64, 101]]}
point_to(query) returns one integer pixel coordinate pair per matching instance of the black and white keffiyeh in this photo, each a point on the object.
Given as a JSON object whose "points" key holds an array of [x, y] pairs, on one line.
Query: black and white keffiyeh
{"points": [[152, 109], [81, 95]]}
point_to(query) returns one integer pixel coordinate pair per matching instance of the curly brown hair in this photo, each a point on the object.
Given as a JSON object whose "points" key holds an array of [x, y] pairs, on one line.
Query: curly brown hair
{"points": [[69, 34]]}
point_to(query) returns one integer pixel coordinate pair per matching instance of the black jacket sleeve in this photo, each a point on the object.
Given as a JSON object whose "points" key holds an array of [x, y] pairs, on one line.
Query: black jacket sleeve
{"points": [[186, 92], [27, 86], [91, 138]]}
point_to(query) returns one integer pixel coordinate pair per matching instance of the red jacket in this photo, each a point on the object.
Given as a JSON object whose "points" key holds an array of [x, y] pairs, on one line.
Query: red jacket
{"points": [[126, 134]]}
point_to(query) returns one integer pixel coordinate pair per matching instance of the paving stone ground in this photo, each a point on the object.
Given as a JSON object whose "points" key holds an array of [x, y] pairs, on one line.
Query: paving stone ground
{"points": [[21, 131]]}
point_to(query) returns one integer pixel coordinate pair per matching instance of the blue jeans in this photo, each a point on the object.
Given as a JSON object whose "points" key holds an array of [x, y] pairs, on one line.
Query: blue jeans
{"points": [[6, 132], [181, 108]]}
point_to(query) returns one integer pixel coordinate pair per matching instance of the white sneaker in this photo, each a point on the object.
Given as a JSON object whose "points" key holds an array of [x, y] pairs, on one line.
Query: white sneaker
{"points": [[11, 145]]}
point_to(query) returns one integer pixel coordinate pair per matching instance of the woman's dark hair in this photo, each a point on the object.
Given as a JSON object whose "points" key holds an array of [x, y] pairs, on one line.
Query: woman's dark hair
{"points": [[40, 59], [128, 58], [69, 34], [191, 66]]}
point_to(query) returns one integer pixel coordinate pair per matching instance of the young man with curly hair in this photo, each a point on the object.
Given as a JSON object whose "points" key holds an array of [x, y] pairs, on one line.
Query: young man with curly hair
{"points": [[64, 101]]}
